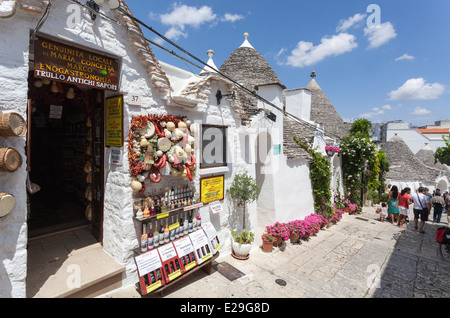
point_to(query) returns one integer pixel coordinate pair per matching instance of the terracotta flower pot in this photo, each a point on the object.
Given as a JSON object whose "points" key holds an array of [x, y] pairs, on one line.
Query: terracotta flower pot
{"points": [[294, 238], [267, 246], [278, 241]]}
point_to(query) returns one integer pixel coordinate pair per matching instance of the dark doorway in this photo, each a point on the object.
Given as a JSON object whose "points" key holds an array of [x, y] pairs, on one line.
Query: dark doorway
{"points": [[65, 133]]}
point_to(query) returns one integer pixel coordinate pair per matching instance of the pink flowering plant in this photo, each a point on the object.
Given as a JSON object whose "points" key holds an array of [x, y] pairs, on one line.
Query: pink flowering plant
{"points": [[279, 230], [267, 238], [296, 228], [332, 149]]}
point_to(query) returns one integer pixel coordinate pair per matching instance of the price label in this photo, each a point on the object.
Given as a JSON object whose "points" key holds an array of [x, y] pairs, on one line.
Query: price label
{"points": [[216, 207]]}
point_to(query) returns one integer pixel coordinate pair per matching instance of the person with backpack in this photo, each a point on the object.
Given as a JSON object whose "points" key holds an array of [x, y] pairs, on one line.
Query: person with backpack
{"points": [[438, 204], [421, 208]]}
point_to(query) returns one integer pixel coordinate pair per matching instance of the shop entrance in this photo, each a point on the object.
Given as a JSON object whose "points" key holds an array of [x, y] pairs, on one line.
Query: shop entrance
{"points": [[64, 146]]}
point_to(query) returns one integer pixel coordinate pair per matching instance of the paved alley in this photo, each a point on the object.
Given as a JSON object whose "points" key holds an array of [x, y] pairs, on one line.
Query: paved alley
{"points": [[360, 257]]}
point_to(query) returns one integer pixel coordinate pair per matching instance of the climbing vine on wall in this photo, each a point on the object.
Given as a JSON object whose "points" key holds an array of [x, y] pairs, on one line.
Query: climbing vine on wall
{"points": [[320, 172]]}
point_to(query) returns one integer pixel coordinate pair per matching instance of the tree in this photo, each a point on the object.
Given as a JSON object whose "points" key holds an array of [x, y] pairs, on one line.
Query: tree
{"points": [[442, 154], [243, 190]]}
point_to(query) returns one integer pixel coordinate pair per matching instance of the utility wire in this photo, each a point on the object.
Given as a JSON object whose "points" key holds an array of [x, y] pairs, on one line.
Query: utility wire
{"points": [[129, 15], [301, 121]]}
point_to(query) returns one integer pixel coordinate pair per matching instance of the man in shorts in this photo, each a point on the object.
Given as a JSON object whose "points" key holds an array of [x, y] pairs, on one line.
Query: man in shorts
{"points": [[421, 208]]}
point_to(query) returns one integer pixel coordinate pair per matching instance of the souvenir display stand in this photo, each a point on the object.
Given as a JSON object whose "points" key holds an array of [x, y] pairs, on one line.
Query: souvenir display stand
{"points": [[162, 166], [167, 265]]}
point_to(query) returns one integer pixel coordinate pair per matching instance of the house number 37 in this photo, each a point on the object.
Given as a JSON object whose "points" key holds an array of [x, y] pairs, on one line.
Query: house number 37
{"points": [[134, 99]]}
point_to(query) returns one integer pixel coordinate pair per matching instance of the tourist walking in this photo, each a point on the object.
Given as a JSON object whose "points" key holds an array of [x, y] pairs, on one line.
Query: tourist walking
{"points": [[438, 204], [421, 209], [447, 206], [392, 204], [404, 201]]}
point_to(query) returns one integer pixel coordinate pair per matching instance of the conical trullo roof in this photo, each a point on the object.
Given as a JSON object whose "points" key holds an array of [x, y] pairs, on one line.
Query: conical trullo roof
{"points": [[426, 155], [249, 68], [322, 111], [404, 165]]}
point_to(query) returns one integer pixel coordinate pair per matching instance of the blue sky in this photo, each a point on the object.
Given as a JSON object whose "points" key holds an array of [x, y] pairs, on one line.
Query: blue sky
{"points": [[383, 62]]}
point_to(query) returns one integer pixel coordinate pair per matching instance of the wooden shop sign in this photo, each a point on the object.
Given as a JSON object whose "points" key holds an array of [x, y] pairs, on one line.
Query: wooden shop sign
{"points": [[64, 63]]}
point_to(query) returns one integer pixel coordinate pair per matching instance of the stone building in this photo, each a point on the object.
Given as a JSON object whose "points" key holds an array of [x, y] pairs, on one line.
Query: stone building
{"points": [[414, 170], [79, 157]]}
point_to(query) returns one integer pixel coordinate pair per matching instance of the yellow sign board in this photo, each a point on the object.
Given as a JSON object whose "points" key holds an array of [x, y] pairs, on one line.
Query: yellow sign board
{"points": [[212, 189], [114, 121]]}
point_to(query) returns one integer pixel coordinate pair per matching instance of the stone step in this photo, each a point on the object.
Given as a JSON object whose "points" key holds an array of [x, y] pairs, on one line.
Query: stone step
{"points": [[87, 272], [71, 265]]}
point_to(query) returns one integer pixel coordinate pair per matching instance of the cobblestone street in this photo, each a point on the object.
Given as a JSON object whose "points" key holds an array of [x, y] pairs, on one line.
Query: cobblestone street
{"points": [[360, 257]]}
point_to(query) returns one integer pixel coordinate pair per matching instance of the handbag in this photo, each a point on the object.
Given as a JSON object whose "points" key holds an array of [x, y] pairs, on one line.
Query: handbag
{"points": [[420, 202]]}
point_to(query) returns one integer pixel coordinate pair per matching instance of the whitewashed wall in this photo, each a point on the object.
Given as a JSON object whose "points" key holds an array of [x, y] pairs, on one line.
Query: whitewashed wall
{"points": [[287, 193], [13, 98]]}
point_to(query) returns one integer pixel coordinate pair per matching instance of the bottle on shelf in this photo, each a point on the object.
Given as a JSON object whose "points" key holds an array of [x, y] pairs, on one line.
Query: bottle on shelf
{"points": [[199, 221], [158, 207], [146, 212], [156, 235], [150, 238], [139, 213], [161, 234], [186, 226], [190, 224], [181, 227], [172, 232], [163, 206], [167, 232], [194, 222], [152, 210], [144, 239]]}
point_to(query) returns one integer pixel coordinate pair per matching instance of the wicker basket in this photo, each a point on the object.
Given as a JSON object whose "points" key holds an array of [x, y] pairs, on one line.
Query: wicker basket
{"points": [[12, 124], [7, 202], [10, 159]]}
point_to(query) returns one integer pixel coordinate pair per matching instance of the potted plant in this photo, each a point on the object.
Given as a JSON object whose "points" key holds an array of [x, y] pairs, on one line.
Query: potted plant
{"points": [[243, 191], [331, 150], [280, 231], [242, 244], [267, 241]]}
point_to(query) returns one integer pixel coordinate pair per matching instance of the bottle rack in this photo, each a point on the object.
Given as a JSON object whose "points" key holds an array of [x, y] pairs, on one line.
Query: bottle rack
{"points": [[170, 212]]}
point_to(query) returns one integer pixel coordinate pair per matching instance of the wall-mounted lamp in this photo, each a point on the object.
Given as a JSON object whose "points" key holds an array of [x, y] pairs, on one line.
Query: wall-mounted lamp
{"points": [[270, 115], [219, 96]]}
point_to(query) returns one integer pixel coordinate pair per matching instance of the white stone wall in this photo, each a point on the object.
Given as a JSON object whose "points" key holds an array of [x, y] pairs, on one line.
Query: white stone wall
{"points": [[14, 55]]}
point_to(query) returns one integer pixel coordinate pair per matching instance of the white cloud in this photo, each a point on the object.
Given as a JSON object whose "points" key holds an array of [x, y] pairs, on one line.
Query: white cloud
{"points": [[174, 33], [346, 24], [307, 54], [417, 89], [183, 15], [386, 107], [228, 17], [420, 111], [404, 57], [380, 35], [376, 112]]}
